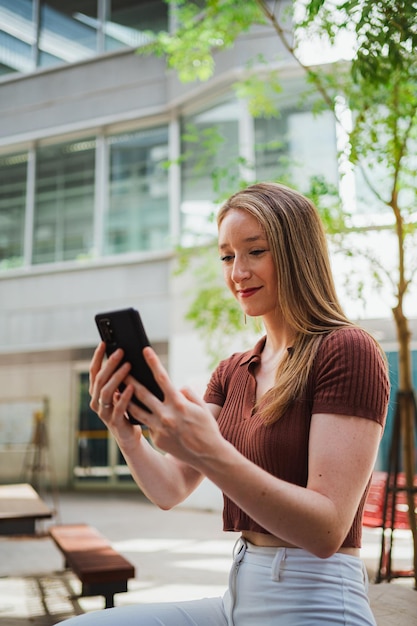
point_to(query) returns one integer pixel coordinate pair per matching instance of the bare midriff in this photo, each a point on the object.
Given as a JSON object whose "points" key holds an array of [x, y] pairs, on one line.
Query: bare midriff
{"points": [[270, 541]]}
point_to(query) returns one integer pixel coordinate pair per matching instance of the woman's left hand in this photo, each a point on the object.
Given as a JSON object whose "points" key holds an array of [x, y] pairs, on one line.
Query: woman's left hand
{"points": [[182, 424]]}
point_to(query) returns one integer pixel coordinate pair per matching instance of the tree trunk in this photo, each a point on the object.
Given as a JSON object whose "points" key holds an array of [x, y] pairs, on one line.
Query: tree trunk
{"points": [[407, 408]]}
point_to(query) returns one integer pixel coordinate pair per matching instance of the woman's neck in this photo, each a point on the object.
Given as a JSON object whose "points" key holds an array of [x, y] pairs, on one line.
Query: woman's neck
{"points": [[279, 337]]}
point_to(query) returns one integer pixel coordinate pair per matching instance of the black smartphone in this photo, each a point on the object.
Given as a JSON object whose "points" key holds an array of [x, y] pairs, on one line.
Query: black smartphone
{"points": [[124, 329]]}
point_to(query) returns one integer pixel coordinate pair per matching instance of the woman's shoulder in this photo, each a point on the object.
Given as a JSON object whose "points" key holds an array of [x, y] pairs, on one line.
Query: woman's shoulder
{"points": [[350, 346], [350, 336], [350, 375]]}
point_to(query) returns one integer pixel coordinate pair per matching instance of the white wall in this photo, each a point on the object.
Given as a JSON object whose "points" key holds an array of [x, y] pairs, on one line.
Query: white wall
{"points": [[56, 309], [53, 381]]}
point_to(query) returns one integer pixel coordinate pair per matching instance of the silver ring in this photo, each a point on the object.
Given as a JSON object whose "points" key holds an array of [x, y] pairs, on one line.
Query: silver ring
{"points": [[105, 406]]}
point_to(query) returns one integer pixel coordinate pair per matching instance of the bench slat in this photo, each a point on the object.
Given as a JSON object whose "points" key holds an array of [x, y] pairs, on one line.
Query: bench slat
{"points": [[99, 567]]}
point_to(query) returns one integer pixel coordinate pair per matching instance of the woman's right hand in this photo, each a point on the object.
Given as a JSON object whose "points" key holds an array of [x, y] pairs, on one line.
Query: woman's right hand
{"points": [[162, 478], [106, 400]]}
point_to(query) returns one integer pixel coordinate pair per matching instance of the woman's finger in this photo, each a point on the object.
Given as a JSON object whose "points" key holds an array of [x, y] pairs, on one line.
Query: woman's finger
{"points": [[100, 370], [145, 396], [158, 370], [107, 382], [142, 393], [96, 364], [192, 396]]}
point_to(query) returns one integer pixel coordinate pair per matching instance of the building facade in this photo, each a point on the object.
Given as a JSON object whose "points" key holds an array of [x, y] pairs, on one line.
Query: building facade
{"points": [[96, 193]]}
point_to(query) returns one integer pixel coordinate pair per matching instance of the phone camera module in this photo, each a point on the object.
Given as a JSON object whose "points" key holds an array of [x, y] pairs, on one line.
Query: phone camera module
{"points": [[106, 330]]}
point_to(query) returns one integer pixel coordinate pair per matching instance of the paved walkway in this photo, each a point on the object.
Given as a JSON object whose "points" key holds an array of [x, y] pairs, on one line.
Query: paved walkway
{"points": [[180, 554]]}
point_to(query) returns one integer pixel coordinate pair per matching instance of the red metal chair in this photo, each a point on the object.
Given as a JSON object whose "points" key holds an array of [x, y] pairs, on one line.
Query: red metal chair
{"points": [[378, 513]]}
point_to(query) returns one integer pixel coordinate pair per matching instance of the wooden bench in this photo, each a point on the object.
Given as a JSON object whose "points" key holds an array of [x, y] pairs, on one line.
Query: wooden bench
{"points": [[20, 508], [101, 570]]}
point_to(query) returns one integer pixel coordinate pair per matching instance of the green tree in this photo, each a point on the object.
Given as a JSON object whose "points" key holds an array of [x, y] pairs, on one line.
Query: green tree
{"points": [[377, 86]]}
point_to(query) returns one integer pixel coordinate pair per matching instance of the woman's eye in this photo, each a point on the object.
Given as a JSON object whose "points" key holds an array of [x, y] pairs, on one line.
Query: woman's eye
{"points": [[226, 258], [257, 252]]}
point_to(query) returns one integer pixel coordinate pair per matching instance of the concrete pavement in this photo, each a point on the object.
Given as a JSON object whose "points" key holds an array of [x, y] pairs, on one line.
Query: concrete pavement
{"points": [[179, 554]]}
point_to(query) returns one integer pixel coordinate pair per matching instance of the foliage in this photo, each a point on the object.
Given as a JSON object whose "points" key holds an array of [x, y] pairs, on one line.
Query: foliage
{"points": [[377, 87], [380, 87], [202, 29], [259, 93]]}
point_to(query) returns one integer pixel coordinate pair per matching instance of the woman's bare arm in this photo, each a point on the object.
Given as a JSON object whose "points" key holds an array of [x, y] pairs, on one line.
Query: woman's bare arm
{"points": [[342, 453]]}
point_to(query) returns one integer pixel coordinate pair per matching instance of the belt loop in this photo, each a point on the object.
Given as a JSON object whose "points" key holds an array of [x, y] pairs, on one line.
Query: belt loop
{"points": [[239, 550], [365, 577], [278, 563]]}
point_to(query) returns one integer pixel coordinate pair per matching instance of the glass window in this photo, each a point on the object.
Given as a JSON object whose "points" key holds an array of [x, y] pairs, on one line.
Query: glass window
{"points": [[64, 201], [68, 31], [17, 36], [210, 166], [92, 439], [296, 146], [137, 218], [97, 458], [131, 21], [73, 30], [12, 209]]}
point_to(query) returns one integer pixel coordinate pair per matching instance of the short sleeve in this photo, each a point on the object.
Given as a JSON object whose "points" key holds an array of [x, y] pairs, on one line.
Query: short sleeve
{"points": [[350, 376], [215, 392], [226, 374]]}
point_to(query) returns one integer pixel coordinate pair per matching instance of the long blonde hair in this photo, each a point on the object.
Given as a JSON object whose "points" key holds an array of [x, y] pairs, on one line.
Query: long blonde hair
{"points": [[306, 291]]}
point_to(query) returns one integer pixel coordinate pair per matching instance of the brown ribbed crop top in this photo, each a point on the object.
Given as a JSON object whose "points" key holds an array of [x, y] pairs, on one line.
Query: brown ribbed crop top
{"points": [[348, 377]]}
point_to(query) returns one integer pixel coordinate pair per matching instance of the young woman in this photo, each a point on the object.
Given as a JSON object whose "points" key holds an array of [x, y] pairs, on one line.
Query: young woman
{"points": [[289, 430]]}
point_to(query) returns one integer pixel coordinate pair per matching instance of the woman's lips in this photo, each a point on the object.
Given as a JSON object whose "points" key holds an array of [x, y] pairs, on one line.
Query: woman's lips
{"points": [[246, 293]]}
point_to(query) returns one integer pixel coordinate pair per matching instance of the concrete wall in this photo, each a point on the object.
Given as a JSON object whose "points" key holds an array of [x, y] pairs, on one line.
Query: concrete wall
{"points": [[80, 96], [47, 334], [110, 88], [41, 311]]}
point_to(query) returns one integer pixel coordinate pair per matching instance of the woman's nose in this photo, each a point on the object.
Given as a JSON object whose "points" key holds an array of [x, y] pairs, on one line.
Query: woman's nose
{"points": [[240, 270]]}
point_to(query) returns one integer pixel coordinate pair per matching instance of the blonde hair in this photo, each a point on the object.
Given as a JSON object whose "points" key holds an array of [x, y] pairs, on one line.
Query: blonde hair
{"points": [[306, 291]]}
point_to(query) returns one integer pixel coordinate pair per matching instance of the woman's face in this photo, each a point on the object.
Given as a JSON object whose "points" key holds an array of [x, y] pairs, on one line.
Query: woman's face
{"points": [[248, 267]]}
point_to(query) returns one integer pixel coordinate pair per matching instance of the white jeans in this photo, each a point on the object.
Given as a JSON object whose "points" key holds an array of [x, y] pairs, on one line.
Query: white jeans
{"points": [[267, 587]]}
